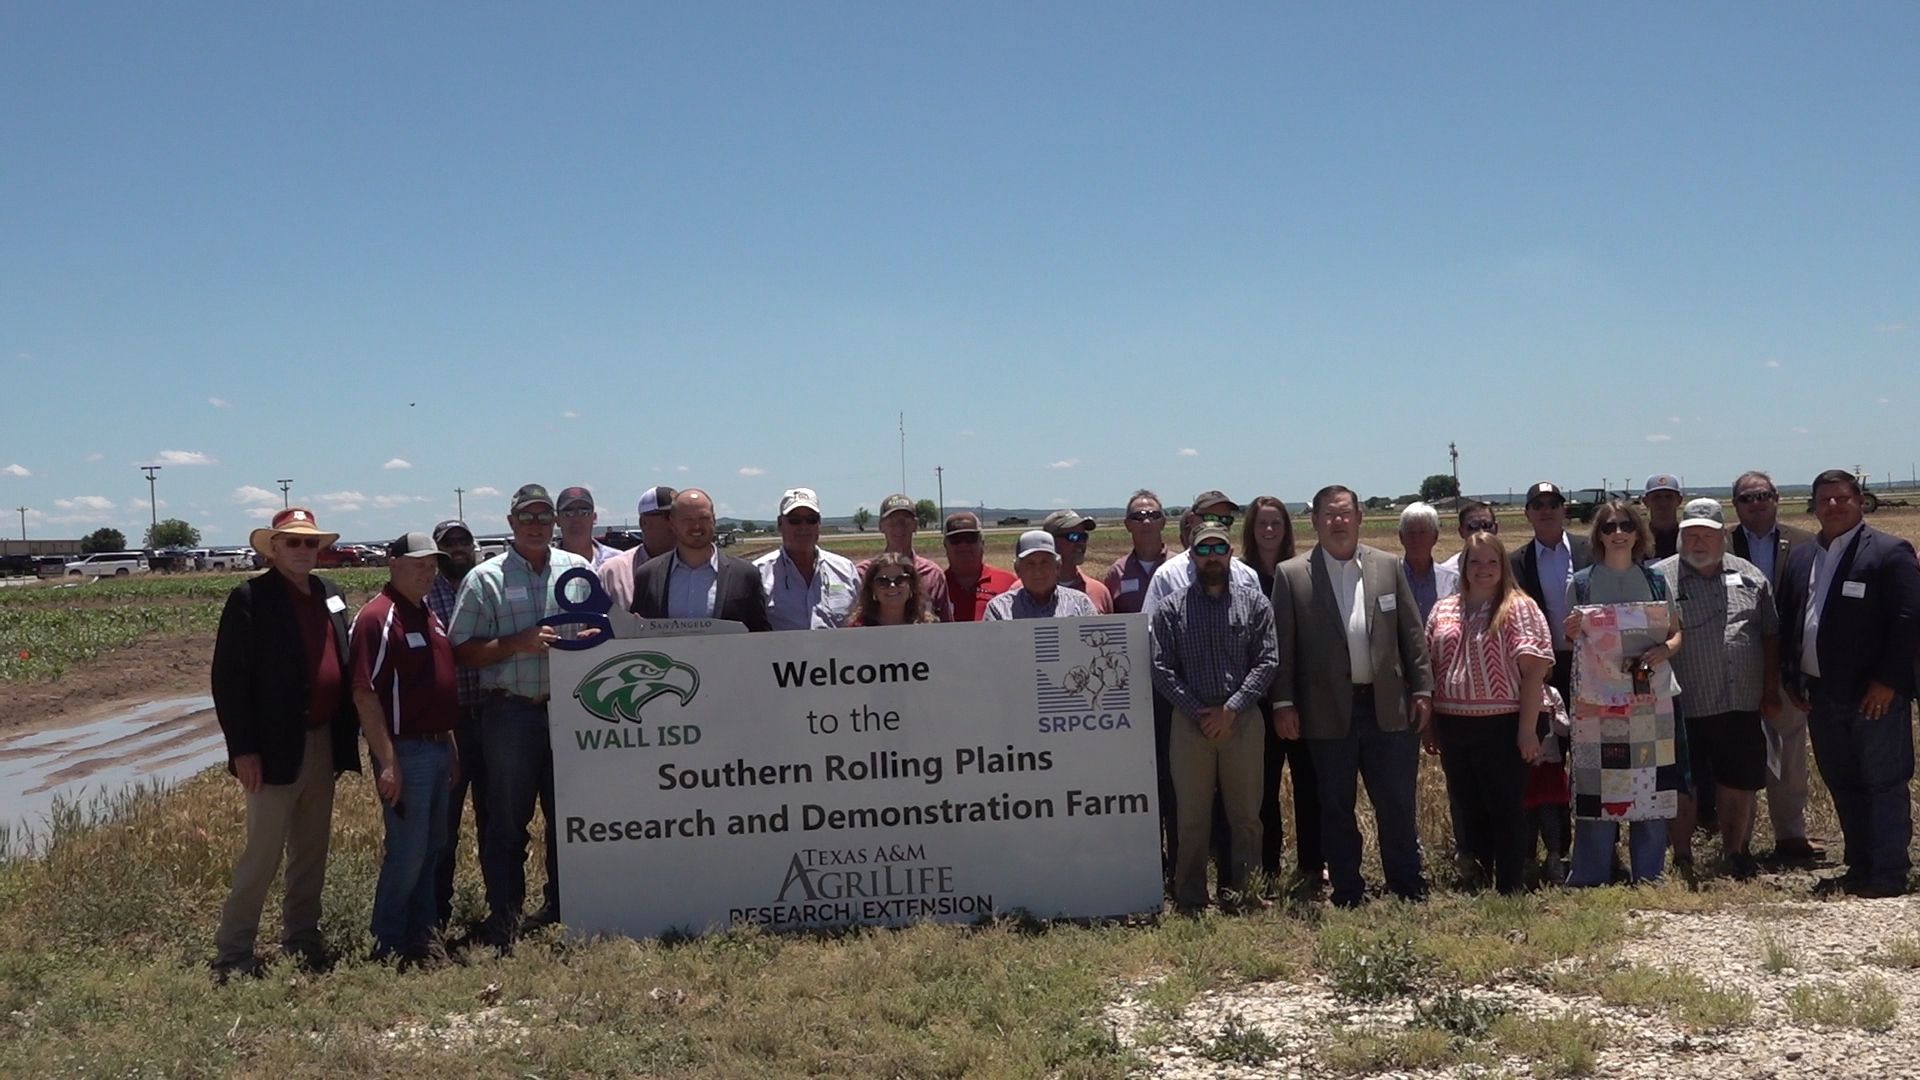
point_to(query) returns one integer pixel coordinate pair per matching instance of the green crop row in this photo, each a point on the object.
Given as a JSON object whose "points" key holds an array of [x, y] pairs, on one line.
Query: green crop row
{"points": [[42, 643], [166, 587]]}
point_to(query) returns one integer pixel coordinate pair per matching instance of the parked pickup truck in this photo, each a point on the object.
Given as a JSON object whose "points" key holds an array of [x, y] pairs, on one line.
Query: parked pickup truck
{"points": [[108, 564]]}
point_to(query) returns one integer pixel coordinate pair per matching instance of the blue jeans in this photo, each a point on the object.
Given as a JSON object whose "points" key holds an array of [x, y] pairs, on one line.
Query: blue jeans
{"points": [[473, 777], [403, 908], [1389, 761], [1867, 765], [519, 757], [1593, 843]]}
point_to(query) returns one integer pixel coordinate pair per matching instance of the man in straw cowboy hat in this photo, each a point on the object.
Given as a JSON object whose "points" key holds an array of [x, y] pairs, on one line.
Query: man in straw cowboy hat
{"points": [[280, 692]]}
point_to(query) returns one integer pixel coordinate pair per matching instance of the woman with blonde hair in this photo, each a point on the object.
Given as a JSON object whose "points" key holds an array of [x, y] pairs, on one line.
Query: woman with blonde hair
{"points": [[891, 594], [1492, 652]]}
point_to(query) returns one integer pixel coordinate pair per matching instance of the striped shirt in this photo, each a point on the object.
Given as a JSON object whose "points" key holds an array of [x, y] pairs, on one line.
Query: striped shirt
{"points": [[440, 599], [501, 597], [1476, 672], [399, 651], [1214, 650], [1721, 662]]}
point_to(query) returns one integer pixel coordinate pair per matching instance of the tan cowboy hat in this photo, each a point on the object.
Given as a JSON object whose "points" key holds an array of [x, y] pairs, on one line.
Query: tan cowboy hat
{"points": [[293, 521]]}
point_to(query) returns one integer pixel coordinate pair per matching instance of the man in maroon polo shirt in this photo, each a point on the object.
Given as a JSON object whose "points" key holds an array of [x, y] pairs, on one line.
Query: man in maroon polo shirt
{"points": [[1070, 530], [971, 583], [407, 692], [1126, 580], [898, 522]]}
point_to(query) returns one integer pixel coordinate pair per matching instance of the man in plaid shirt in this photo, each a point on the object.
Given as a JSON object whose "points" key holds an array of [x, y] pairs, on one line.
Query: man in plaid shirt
{"points": [[455, 541], [1214, 655]]}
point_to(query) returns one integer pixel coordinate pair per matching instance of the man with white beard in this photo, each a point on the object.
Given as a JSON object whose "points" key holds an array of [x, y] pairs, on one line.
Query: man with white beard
{"points": [[1729, 671]]}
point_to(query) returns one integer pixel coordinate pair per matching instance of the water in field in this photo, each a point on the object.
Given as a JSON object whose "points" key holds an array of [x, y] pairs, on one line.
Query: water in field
{"points": [[157, 742]]}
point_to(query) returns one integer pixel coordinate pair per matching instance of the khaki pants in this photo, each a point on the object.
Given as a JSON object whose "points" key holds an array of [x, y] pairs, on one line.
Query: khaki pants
{"points": [[1787, 776], [295, 820], [1236, 763]]}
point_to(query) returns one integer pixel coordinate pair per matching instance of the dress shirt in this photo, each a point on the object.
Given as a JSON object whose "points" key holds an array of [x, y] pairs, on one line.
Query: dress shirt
{"points": [[690, 589], [1763, 550], [796, 603], [1556, 569], [1065, 603], [1441, 582], [1826, 563], [500, 598], [1214, 650], [1176, 573], [1350, 592]]}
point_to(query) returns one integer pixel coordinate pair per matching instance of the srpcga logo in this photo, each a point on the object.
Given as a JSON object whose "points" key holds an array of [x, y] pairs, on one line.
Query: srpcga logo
{"points": [[1089, 696], [623, 686]]}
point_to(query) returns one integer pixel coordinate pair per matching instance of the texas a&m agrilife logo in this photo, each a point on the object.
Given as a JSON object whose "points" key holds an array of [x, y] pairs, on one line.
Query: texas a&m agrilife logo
{"points": [[623, 686], [1082, 684]]}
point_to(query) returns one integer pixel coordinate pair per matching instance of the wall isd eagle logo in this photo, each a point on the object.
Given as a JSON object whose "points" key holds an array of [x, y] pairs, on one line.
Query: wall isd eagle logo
{"points": [[623, 686]]}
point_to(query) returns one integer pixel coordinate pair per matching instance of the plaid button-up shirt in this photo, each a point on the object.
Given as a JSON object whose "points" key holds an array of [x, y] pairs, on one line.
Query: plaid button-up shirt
{"points": [[440, 600], [1214, 650], [1722, 621], [502, 597]]}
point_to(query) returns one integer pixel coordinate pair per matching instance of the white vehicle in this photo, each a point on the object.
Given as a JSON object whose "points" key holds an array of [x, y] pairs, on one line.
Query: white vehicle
{"points": [[228, 559], [108, 564]]}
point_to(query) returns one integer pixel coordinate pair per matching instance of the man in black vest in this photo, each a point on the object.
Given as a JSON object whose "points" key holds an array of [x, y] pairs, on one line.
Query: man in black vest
{"points": [[280, 692]]}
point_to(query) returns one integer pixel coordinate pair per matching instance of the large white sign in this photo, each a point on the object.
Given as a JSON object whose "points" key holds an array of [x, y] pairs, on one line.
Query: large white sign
{"points": [[884, 775]]}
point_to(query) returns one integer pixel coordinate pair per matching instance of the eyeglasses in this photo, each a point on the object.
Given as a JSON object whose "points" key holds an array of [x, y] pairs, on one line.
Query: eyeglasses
{"points": [[1608, 528], [1225, 521], [1751, 497], [577, 512], [803, 519], [528, 517], [300, 541], [893, 581], [1146, 515], [1213, 547], [1078, 536]]}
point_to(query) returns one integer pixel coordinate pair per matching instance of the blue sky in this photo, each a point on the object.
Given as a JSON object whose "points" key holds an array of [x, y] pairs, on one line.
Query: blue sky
{"points": [[391, 250]]}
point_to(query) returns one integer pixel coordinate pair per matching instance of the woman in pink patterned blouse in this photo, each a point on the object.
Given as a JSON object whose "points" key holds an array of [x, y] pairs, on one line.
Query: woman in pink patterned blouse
{"points": [[1492, 653]]}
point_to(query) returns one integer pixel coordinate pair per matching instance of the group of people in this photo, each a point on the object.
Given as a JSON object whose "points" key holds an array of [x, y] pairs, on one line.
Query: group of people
{"points": [[1338, 664]]}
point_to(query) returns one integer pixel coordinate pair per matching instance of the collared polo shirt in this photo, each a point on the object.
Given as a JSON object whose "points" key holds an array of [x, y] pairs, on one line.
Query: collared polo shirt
{"points": [[1127, 579], [1065, 603], [970, 601], [1723, 617], [399, 650], [691, 589], [1096, 591], [440, 599], [500, 598], [796, 603]]}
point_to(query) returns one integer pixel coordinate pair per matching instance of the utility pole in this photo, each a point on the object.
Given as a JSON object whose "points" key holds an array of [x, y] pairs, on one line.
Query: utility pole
{"points": [[939, 477], [460, 501], [23, 524], [284, 486], [1453, 452], [903, 453], [153, 499]]}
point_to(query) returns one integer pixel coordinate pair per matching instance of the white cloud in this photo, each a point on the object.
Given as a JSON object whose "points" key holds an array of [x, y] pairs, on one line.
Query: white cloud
{"points": [[397, 463], [1799, 431], [342, 501], [680, 468], [753, 470], [1659, 438], [1891, 328], [571, 415], [94, 457], [220, 403], [247, 493], [84, 502], [1673, 419], [1188, 451], [967, 432], [262, 513], [1886, 401], [1772, 364], [486, 491], [184, 457], [1066, 463], [16, 470], [388, 502]]}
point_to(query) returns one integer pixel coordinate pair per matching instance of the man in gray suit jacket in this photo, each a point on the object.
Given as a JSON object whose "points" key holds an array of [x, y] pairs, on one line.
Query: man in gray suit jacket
{"points": [[1355, 682], [696, 580]]}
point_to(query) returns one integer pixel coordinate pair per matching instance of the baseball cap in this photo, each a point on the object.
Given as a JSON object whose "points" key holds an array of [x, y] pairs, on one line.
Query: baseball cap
{"points": [[1545, 488], [656, 500], [1061, 522], [1212, 531], [1702, 513], [799, 497], [414, 545], [893, 504], [574, 496], [441, 530], [1213, 498], [1662, 482], [530, 495], [1034, 540], [961, 523]]}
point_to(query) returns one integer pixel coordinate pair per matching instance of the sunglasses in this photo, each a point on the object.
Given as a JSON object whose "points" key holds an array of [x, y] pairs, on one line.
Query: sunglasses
{"points": [[803, 519], [893, 581], [1752, 497], [1225, 521], [1479, 526], [577, 512], [528, 517], [1077, 536], [300, 541], [1546, 504], [1147, 515], [1213, 547], [1608, 528]]}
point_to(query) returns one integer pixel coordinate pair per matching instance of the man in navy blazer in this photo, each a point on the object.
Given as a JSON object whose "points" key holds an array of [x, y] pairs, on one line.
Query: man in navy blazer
{"points": [[1849, 630], [696, 580]]}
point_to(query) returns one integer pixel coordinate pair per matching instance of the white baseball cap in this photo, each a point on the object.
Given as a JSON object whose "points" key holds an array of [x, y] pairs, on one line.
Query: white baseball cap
{"points": [[1034, 540], [798, 497]]}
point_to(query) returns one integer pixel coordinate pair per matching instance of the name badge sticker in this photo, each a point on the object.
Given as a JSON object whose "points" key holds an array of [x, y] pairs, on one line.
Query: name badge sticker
{"points": [[336, 604], [1732, 579], [516, 592], [416, 640], [1853, 589], [1128, 585], [1389, 602]]}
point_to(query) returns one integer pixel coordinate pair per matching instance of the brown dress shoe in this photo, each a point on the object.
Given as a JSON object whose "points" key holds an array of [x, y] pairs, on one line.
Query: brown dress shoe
{"points": [[1798, 849]]}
